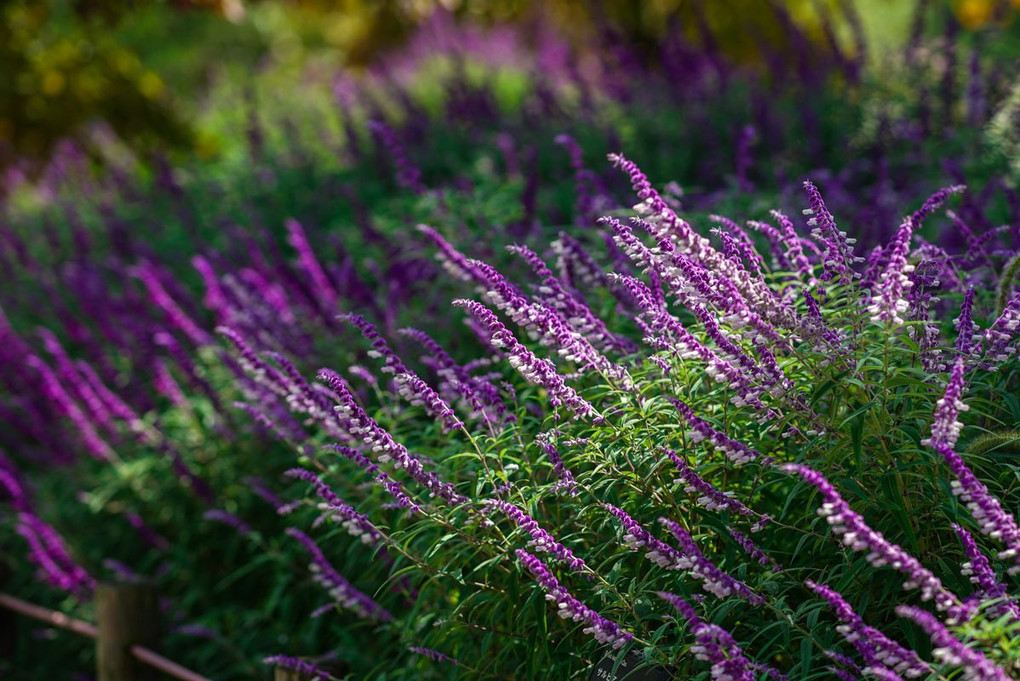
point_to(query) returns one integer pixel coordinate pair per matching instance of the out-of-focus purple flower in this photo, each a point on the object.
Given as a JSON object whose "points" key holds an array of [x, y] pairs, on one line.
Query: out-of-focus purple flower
{"points": [[568, 607], [229, 519], [146, 273], [408, 174], [877, 649], [588, 190], [950, 651], [322, 288], [63, 401], [262, 490], [48, 551], [534, 369], [745, 141], [856, 534], [434, 655], [307, 669], [147, 534], [338, 587]]}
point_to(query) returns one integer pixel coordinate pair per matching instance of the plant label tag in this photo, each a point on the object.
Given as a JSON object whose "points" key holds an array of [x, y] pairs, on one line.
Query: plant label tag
{"points": [[628, 670]]}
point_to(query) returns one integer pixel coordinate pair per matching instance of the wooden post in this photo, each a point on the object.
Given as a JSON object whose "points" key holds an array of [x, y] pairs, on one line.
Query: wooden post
{"points": [[289, 675], [128, 615]]}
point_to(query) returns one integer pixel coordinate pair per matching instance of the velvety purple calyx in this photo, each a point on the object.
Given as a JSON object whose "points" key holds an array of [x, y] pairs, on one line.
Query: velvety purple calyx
{"points": [[336, 584], [946, 427], [534, 369], [357, 524], [714, 645], [712, 578], [541, 540], [875, 648], [838, 258], [711, 498], [567, 607], [851, 529], [376, 439], [952, 652]]}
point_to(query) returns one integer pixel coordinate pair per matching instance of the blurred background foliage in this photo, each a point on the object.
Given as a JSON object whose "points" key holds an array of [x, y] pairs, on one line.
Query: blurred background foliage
{"points": [[147, 69]]}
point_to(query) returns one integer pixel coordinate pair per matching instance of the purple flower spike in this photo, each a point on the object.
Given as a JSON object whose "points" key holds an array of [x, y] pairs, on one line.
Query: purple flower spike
{"points": [[639, 539], [304, 668], [147, 274], [357, 524], [229, 519], [751, 549], [877, 650], [568, 607], [999, 338], [948, 650], [534, 369], [567, 482], [986, 509], [965, 326], [945, 430], [541, 541], [711, 498], [408, 174], [323, 289], [979, 570], [700, 430], [714, 645], [434, 655], [838, 258], [338, 587], [713, 580], [377, 439], [889, 302], [855, 533]]}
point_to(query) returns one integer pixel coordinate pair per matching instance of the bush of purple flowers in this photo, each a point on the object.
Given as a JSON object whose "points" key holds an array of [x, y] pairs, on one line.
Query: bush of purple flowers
{"points": [[725, 445], [774, 485], [737, 450]]}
